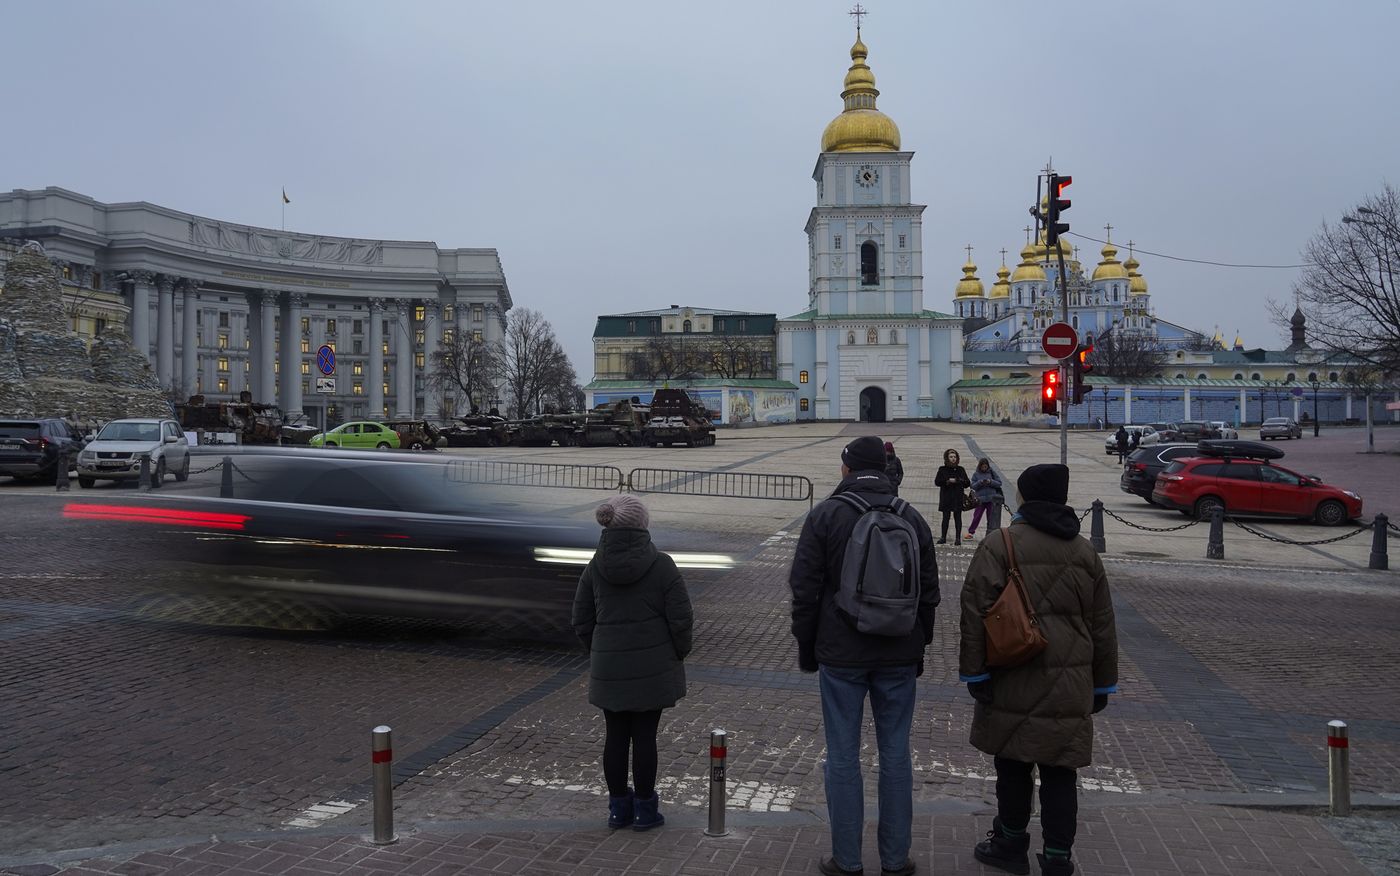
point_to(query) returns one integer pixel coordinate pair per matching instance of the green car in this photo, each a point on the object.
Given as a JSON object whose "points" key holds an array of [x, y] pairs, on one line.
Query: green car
{"points": [[371, 435]]}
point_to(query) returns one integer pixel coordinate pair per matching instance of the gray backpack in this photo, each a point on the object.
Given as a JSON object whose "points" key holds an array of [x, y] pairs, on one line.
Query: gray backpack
{"points": [[879, 588]]}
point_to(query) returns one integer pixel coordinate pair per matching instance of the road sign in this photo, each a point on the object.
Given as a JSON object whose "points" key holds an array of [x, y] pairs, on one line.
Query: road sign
{"points": [[1297, 391], [325, 385], [1059, 341], [325, 360]]}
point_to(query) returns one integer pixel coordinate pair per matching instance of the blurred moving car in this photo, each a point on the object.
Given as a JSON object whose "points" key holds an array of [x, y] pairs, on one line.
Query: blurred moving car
{"points": [[1165, 431], [115, 454], [1240, 478], [1279, 427], [358, 434], [1146, 437], [30, 448], [1195, 430], [1144, 464], [1224, 430]]}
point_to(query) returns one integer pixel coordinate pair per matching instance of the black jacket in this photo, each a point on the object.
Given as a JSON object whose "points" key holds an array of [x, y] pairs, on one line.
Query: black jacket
{"points": [[816, 569], [633, 613], [951, 481], [894, 469]]}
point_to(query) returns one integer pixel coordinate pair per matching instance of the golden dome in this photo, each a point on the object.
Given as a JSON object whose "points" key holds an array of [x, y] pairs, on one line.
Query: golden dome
{"points": [[1002, 287], [969, 286], [1029, 269], [1137, 283], [1110, 268], [860, 127]]}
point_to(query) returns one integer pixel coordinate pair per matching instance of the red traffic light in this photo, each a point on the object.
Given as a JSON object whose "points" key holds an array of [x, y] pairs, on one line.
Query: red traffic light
{"points": [[1055, 205], [1086, 365], [1050, 391]]}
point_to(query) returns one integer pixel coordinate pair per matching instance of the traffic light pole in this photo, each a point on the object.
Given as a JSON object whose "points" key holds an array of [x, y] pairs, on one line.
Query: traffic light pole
{"points": [[1064, 363]]}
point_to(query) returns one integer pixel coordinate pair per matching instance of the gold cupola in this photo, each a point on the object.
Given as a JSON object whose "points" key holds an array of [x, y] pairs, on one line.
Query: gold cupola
{"points": [[1029, 268], [1137, 283], [1002, 287], [969, 286], [1110, 268], [860, 127]]}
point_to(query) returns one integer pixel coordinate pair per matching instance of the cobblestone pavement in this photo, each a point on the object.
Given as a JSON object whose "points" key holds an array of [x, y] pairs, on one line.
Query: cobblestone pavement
{"points": [[137, 720]]}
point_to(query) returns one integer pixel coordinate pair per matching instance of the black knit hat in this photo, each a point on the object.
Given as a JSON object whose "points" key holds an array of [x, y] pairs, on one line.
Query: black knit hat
{"points": [[864, 453], [1048, 482]]}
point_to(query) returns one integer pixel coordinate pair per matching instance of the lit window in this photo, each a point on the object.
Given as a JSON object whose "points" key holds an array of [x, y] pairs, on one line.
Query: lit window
{"points": [[358, 368], [247, 343], [476, 336], [802, 377], [223, 384], [223, 365], [386, 346], [802, 404], [305, 345], [418, 360], [448, 312], [358, 388], [305, 324], [306, 368], [386, 392], [223, 342], [418, 337], [277, 367], [447, 335], [418, 314], [247, 366], [330, 326]]}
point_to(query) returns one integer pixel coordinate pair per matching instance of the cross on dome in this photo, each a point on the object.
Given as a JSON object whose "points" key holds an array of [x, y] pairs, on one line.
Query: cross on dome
{"points": [[969, 251], [857, 12], [1108, 230]]}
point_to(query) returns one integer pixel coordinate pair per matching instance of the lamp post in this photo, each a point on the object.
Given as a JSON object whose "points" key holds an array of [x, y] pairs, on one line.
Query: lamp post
{"points": [[1315, 384]]}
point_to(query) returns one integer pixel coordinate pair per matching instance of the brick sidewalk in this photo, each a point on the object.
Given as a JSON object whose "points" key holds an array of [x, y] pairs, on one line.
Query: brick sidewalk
{"points": [[1149, 840]]}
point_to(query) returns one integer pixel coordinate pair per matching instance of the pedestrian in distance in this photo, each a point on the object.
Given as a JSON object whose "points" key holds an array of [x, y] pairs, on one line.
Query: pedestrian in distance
{"points": [[1037, 715], [633, 613], [864, 585], [894, 467], [951, 480], [986, 488], [1120, 438]]}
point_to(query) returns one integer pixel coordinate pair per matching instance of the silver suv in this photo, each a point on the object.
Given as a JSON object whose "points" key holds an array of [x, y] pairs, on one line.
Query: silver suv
{"points": [[115, 454]]}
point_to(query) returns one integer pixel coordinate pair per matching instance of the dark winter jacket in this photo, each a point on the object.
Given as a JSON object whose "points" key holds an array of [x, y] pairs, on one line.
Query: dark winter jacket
{"points": [[986, 486], [821, 632], [633, 613], [951, 481], [894, 470], [1040, 711]]}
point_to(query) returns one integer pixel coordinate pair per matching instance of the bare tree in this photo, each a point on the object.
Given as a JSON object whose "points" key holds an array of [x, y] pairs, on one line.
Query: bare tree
{"points": [[737, 356], [532, 361], [678, 357], [1348, 290], [470, 366], [1128, 355]]}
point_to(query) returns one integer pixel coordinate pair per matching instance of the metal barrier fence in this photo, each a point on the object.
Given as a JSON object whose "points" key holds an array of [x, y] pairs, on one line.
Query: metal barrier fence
{"points": [[536, 474], [724, 484]]}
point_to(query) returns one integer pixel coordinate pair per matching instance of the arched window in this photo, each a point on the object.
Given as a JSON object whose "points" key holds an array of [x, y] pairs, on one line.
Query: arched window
{"points": [[1332, 376], [685, 326], [1074, 320], [1239, 376], [1180, 376], [986, 377], [869, 264], [1312, 376], [1254, 376], [1202, 376], [1291, 377], [894, 336], [850, 339], [872, 336]]}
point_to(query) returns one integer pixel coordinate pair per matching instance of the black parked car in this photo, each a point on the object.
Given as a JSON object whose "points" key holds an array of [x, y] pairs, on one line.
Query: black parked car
{"points": [[1144, 464], [30, 448]]}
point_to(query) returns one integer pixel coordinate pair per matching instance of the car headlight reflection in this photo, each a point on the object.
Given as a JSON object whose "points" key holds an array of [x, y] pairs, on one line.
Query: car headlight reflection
{"points": [[581, 557]]}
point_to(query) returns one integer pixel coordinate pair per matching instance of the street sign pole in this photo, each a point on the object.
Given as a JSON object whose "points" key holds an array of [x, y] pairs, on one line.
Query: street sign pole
{"points": [[1064, 368]]}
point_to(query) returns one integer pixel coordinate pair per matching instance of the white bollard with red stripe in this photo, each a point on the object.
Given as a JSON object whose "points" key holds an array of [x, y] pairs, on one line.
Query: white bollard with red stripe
{"points": [[382, 761], [1338, 769], [719, 753]]}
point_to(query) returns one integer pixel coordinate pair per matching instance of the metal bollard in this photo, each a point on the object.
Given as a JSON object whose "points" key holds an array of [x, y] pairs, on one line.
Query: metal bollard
{"points": [[719, 750], [145, 482], [226, 481], [1379, 560], [1338, 769], [382, 760], [1215, 548], [60, 471], [1096, 527]]}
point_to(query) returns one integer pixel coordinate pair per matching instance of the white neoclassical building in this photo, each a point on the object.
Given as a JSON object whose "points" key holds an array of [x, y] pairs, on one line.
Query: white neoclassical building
{"points": [[220, 308], [865, 348]]}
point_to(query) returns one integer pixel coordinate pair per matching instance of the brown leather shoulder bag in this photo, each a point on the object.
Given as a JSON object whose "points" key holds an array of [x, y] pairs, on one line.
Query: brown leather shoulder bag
{"points": [[1013, 631]]}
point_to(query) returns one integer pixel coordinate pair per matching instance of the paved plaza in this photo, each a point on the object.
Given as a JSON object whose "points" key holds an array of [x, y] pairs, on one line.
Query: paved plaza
{"points": [[148, 732]]}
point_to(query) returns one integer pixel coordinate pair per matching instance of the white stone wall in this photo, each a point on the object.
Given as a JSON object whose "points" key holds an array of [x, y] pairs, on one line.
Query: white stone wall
{"points": [[879, 365]]}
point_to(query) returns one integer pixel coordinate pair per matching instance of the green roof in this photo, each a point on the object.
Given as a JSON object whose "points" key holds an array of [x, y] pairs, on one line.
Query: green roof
{"points": [[616, 326], [1096, 380], [699, 383]]}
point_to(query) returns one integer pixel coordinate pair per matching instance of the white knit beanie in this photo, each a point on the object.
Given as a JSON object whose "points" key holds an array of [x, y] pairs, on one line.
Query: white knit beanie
{"points": [[623, 511]]}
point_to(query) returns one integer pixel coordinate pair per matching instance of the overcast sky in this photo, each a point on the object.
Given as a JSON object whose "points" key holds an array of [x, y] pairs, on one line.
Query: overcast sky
{"points": [[627, 155]]}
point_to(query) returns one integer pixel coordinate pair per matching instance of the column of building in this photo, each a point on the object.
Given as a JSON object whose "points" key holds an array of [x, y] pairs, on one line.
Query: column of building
{"points": [[432, 341], [292, 305], [403, 358], [189, 337], [252, 374], [165, 330], [376, 358], [142, 283], [265, 351]]}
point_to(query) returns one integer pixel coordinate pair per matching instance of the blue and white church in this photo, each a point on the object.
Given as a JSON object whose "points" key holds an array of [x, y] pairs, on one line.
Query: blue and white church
{"points": [[865, 348]]}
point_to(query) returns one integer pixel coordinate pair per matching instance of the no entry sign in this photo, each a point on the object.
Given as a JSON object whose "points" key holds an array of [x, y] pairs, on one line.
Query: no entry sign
{"points": [[1059, 341]]}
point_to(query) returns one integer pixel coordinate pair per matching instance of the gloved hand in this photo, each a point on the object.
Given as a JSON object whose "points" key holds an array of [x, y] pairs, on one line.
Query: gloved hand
{"points": [[1100, 702], [981, 691], [807, 656]]}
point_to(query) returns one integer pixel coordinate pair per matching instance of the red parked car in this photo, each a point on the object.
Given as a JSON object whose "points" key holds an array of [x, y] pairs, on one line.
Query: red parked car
{"points": [[1239, 477]]}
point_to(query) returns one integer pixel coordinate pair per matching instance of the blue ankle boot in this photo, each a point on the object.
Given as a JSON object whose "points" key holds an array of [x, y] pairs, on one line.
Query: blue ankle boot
{"points": [[620, 811], [647, 816]]}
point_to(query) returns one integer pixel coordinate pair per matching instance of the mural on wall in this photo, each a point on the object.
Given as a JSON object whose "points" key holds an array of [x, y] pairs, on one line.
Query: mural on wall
{"points": [[771, 406], [995, 404]]}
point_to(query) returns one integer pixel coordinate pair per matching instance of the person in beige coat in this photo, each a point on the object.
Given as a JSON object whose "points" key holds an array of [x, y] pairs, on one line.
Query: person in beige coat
{"points": [[1038, 715]]}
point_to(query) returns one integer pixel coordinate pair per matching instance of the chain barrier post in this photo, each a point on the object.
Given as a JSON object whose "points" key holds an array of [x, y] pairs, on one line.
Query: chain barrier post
{"points": [[382, 761], [719, 751], [1215, 548], [1338, 769], [1096, 527], [60, 471], [145, 475], [226, 480], [1379, 560]]}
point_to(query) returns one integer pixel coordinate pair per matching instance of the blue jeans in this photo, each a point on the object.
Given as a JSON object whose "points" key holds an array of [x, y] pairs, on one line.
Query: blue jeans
{"points": [[891, 693]]}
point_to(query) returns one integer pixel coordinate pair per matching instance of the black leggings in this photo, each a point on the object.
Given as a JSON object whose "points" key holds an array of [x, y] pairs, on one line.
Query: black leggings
{"points": [[957, 518], [636, 730], [1059, 800]]}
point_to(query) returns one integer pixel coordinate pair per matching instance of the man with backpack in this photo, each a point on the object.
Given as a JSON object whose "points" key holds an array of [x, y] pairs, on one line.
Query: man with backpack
{"points": [[864, 590]]}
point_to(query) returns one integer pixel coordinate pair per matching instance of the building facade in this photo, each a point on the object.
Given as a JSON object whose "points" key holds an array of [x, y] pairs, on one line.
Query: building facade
{"points": [[219, 308], [650, 345], [865, 348]]}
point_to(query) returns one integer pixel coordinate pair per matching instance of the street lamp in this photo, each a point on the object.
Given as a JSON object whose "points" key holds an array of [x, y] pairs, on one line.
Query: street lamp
{"points": [[1315, 384]]}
